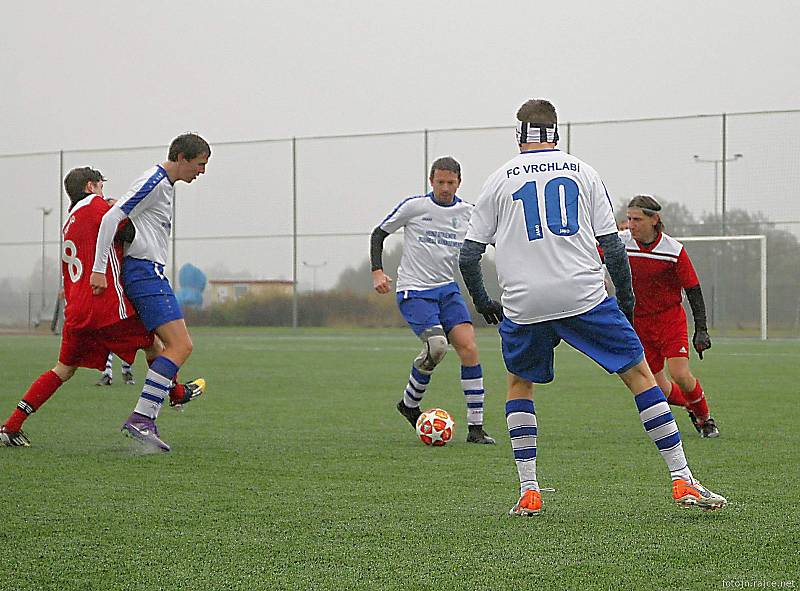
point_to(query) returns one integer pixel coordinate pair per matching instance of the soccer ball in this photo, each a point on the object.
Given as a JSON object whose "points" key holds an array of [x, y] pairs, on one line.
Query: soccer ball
{"points": [[435, 427]]}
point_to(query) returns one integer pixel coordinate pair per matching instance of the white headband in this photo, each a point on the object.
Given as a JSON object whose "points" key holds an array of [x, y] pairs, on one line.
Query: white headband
{"points": [[533, 133]]}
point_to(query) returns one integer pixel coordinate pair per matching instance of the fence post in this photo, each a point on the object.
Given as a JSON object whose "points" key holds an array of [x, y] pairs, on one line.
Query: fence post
{"points": [[425, 165], [174, 237], [724, 168], [294, 232]]}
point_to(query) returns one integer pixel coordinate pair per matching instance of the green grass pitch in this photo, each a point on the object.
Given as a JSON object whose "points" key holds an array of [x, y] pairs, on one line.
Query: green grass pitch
{"points": [[295, 471]]}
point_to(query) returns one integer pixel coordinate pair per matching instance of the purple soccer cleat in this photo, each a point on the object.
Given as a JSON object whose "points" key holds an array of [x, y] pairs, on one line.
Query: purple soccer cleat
{"points": [[144, 430]]}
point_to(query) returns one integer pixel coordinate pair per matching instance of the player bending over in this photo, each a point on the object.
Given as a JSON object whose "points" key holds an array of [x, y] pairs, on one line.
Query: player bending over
{"points": [[545, 210], [427, 294], [148, 204], [93, 324], [661, 268]]}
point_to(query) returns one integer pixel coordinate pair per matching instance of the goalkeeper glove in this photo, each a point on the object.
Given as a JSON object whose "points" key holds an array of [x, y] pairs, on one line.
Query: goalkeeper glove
{"points": [[701, 341], [492, 311]]}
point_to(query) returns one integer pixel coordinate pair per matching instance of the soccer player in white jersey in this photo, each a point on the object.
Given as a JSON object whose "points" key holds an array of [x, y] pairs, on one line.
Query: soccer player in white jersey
{"points": [[427, 294], [545, 211], [148, 204]]}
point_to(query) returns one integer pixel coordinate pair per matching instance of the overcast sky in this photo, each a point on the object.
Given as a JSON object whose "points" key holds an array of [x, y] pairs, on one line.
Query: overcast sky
{"points": [[89, 73]]}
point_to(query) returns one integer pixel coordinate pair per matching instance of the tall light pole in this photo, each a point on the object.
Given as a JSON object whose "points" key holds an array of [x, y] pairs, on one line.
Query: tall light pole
{"points": [[314, 267], [717, 162], [45, 212]]}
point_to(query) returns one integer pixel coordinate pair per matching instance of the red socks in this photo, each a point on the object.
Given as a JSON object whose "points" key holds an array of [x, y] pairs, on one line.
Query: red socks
{"points": [[39, 392], [675, 396], [696, 402]]}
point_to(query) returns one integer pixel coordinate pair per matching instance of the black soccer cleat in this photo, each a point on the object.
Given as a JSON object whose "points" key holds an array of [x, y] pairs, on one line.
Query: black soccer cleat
{"points": [[411, 414], [13, 438], [709, 428], [478, 435], [695, 422]]}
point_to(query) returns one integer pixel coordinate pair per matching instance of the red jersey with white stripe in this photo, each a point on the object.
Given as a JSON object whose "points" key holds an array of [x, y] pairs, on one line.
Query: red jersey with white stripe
{"points": [[660, 271], [84, 310]]}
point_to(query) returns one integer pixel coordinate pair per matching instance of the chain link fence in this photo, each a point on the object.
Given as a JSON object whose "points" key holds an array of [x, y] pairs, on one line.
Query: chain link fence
{"points": [[300, 210]]}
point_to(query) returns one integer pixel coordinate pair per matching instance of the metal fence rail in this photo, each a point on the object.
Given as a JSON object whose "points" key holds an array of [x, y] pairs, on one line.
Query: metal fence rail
{"points": [[301, 209]]}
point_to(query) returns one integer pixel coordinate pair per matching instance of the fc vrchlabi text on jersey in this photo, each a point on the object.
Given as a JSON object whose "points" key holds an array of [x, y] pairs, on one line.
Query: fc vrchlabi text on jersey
{"points": [[543, 167]]}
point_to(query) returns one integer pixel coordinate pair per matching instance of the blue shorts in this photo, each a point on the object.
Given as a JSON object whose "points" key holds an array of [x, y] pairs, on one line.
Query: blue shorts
{"points": [[603, 334], [441, 305], [150, 292]]}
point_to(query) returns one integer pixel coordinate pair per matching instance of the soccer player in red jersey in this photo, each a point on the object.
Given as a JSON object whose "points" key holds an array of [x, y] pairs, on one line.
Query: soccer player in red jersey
{"points": [[93, 324], [661, 269]]}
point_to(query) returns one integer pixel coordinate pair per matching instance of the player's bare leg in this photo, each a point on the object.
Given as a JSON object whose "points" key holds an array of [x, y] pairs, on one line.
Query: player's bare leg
{"points": [[660, 426], [522, 429], [462, 337], [695, 397]]}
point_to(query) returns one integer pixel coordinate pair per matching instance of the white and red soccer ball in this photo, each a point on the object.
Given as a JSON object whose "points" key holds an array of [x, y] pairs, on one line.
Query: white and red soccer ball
{"points": [[435, 427]]}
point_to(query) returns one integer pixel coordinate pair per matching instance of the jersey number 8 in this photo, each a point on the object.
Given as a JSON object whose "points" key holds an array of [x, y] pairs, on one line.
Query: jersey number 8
{"points": [[70, 256], [561, 212]]}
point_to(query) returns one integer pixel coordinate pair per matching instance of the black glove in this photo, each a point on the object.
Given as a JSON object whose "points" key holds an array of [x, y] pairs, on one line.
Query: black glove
{"points": [[701, 341], [492, 311]]}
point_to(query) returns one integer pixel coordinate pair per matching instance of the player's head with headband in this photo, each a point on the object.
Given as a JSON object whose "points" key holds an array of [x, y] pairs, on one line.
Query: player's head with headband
{"points": [[537, 123], [648, 206], [83, 181]]}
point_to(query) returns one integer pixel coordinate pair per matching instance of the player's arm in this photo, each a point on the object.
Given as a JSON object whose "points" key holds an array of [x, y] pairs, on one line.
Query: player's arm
{"points": [[105, 237], [701, 340], [469, 262], [380, 280], [619, 269], [691, 285]]}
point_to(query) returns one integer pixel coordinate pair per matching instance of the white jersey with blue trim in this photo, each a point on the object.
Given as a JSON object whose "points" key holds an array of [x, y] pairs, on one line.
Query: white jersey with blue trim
{"points": [[433, 235], [148, 204], [543, 210]]}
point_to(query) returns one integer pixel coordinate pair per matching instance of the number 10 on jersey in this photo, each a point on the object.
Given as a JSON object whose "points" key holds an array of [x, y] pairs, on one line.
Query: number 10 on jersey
{"points": [[560, 207]]}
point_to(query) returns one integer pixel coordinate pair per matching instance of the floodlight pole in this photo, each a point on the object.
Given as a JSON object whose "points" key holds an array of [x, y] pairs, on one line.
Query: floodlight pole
{"points": [[717, 162]]}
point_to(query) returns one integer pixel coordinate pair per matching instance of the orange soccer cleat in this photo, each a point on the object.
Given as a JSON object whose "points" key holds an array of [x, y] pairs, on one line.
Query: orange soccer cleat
{"points": [[529, 504], [696, 495]]}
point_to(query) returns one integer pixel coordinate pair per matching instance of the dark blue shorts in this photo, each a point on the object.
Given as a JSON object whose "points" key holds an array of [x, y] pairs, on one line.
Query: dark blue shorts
{"points": [[424, 309], [603, 334], [148, 288]]}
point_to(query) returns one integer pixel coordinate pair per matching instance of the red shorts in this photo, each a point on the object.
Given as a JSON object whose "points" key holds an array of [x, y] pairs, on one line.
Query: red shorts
{"points": [[663, 336], [90, 348]]}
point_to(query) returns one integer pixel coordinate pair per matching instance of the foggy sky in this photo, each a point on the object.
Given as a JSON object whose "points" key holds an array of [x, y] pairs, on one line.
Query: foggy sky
{"points": [[89, 74], [92, 74]]}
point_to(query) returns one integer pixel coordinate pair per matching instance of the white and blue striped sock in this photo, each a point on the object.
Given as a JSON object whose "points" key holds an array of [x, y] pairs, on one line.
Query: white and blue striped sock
{"points": [[156, 387], [521, 419], [109, 371], [661, 428], [126, 367], [415, 389], [472, 384]]}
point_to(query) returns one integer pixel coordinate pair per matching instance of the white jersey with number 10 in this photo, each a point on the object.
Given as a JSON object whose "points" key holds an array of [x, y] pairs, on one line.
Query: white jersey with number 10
{"points": [[543, 210]]}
